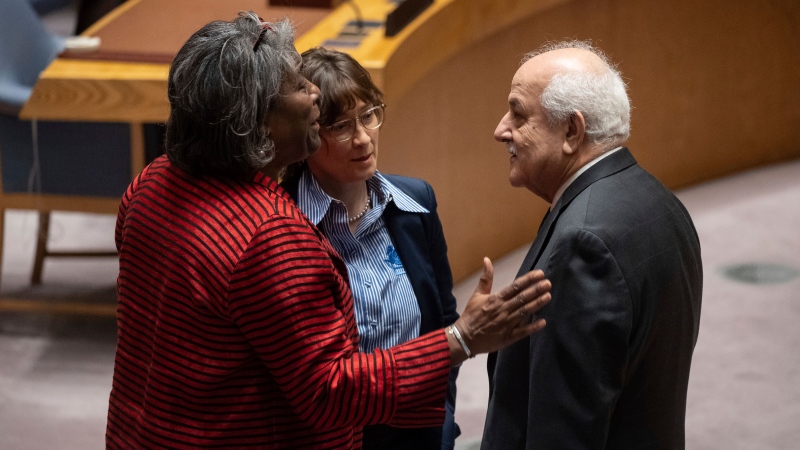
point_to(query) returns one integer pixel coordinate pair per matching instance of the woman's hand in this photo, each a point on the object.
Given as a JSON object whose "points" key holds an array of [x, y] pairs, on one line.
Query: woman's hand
{"points": [[493, 321]]}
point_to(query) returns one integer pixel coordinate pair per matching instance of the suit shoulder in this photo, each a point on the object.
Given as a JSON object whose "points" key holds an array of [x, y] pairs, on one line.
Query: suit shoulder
{"points": [[630, 209], [633, 191]]}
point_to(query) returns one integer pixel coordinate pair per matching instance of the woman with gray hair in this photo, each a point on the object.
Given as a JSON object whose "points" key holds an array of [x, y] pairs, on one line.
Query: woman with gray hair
{"points": [[236, 323]]}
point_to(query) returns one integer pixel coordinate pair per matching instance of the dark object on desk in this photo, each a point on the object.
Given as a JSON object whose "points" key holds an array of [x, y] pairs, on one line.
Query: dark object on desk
{"points": [[352, 34], [90, 11], [330, 4], [404, 14]]}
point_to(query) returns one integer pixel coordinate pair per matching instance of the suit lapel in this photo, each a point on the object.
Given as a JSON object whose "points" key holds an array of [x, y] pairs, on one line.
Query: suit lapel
{"points": [[619, 160], [408, 235], [538, 244]]}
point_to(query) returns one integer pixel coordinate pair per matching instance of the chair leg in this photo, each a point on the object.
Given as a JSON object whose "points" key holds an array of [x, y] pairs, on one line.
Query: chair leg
{"points": [[41, 247], [2, 235]]}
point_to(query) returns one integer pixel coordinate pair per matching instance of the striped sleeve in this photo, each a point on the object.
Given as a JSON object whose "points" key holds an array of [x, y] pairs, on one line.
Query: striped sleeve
{"points": [[123, 209], [297, 312], [422, 368]]}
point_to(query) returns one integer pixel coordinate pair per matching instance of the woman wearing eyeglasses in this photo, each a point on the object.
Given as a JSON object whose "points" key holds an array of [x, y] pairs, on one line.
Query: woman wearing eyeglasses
{"points": [[236, 324], [384, 226]]}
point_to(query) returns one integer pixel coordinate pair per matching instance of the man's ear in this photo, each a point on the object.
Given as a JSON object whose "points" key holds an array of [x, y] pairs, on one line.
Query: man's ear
{"points": [[574, 133]]}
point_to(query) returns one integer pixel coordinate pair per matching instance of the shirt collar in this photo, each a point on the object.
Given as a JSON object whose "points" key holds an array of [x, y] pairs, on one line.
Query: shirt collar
{"points": [[378, 183], [578, 173], [314, 202], [311, 199]]}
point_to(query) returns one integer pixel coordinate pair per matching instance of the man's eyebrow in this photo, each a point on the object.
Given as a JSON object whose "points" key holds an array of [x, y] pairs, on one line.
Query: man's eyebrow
{"points": [[515, 103]]}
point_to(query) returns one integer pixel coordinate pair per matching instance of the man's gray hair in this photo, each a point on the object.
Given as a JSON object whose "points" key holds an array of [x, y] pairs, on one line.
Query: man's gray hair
{"points": [[222, 84], [602, 98]]}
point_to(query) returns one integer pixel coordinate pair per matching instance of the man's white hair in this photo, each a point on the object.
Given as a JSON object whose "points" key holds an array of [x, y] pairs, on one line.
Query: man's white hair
{"points": [[602, 98]]}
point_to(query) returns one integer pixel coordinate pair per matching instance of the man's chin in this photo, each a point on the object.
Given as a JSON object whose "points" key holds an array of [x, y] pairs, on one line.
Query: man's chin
{"points": [[514, 181]]}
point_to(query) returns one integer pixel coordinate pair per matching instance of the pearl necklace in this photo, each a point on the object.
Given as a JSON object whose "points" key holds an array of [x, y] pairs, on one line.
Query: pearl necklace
{"points": [[361, 214]]}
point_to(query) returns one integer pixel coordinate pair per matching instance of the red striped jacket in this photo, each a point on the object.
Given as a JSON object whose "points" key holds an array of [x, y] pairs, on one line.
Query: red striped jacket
{"points": [[236, 327]]}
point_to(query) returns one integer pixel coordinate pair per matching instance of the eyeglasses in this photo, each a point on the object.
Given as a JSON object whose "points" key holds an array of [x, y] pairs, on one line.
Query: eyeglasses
{"points": [[371, 119]]}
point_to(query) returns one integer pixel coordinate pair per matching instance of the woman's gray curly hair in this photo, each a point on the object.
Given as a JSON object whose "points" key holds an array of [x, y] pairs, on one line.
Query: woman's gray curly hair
{"points": [[221, 88], [602, 98]]}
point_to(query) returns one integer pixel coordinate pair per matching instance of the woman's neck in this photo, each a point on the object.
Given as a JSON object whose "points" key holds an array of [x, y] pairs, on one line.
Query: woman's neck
{"points": [[273, 171], [353, 195]]}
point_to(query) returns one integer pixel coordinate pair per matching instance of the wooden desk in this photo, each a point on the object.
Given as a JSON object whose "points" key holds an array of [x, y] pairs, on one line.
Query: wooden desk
{"points": [[135, 92], [715, 88], [123, 91], [89, 88]]}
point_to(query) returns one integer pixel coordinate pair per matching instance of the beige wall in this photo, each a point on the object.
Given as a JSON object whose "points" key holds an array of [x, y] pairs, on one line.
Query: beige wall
{"points": [[715, 87]]}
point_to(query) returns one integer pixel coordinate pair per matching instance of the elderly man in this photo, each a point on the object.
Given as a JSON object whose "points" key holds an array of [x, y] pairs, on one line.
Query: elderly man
{"points": [[611, 368]]}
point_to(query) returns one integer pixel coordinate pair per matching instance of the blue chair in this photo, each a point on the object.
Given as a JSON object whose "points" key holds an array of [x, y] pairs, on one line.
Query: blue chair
{"points": [[75, 166], [43, 7]]}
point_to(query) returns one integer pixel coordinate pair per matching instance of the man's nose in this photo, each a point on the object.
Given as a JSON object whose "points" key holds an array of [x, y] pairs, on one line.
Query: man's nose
{"points": [[502, 133]]}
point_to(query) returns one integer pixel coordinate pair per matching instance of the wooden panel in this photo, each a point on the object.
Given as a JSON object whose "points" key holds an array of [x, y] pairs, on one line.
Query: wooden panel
{"points": [[107, 85], [9, 304], [715, 88], [444, 28], [101, 92], [47, 202]]}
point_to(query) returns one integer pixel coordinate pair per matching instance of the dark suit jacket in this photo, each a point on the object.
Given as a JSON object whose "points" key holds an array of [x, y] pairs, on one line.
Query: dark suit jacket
{"points": [[420, 244], [611, 368]]}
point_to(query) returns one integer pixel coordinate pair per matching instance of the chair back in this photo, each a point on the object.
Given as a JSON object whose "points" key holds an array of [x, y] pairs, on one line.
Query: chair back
{"points": [[43, 7], [26, 48]]}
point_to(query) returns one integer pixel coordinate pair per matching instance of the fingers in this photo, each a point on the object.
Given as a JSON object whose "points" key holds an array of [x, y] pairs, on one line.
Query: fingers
{"points": [[487, 278], [530, 300], [521, 283], [534, 306], [528, 329], [492, 321]]}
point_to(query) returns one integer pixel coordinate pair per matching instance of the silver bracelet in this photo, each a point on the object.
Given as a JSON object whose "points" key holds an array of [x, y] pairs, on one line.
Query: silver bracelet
{"points": [[454, 331]]}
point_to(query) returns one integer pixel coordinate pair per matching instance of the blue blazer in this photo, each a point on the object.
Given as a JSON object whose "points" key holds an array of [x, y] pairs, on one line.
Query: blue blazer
{"points": [[420, 244]]}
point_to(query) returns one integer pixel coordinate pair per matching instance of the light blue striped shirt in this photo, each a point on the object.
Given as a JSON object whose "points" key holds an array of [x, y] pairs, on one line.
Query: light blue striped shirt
{"points": [[386, 309]]}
